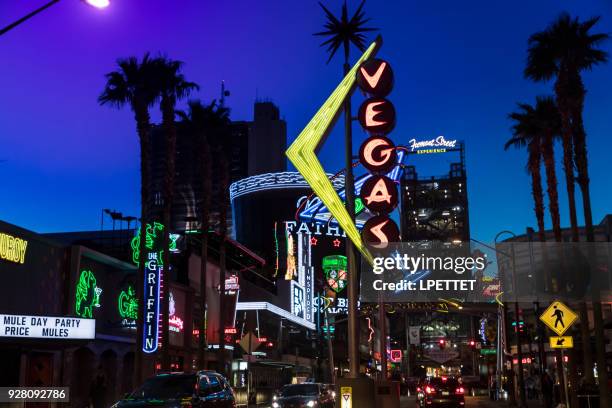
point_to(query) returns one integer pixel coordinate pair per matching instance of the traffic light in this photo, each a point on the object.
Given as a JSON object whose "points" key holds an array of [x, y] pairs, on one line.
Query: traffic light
{"points": [[441, 343], [472, 344]]}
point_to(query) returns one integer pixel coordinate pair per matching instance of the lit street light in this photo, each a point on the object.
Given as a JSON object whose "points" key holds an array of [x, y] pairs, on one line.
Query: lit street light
{"points": [[99, 4]]}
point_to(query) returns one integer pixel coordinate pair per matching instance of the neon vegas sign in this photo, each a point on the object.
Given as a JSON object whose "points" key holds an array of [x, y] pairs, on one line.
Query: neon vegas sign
{"points": [[12, 249], [437, 145]]}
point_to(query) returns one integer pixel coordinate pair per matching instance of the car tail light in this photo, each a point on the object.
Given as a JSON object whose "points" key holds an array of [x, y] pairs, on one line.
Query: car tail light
{"points": [[460, 390], [418, 389], [430, 390]]}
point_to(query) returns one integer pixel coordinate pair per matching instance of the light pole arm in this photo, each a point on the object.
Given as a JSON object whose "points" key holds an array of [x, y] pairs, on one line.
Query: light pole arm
{"points": [[28, 16]]}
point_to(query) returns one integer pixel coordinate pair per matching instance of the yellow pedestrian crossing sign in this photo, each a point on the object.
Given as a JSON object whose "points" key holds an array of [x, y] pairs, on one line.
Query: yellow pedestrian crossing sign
{"points": [[558, 317], [563, 342]]}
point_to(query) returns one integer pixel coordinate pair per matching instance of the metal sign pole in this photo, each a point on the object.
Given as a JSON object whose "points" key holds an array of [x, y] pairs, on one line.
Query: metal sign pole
{"points": [[567, 400]]}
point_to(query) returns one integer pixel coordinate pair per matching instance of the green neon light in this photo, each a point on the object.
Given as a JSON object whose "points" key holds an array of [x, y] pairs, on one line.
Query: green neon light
{"points": [[150, 238], [87, 295], [128, 304], [359, 206], [335, 270], [302, 154]]}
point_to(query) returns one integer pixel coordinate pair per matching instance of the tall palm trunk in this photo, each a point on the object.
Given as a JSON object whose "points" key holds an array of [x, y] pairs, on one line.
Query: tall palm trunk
{"points": [[568, 150], [143, 128], [223, 205], [536, 189], [548, 155], [583, 181], [205, 163], [168, 125]]}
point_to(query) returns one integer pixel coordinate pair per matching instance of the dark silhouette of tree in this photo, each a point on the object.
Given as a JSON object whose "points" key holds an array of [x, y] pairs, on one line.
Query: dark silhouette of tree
{"points": [[562, 51], [134, 83]]}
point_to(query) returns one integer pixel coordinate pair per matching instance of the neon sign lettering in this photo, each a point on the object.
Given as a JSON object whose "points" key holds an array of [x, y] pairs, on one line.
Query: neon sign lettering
{"points": [[378, 154], [380, 194], [151, 296], [377, 115], [175, 323], [437, 145], [372, 80], [87, 295], [375, 77], [12, 249], [128, 304]]}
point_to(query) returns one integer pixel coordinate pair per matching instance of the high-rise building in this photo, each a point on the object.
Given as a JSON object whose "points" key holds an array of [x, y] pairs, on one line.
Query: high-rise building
{"points": [[435, 208], [254, 147], [267, 140]]}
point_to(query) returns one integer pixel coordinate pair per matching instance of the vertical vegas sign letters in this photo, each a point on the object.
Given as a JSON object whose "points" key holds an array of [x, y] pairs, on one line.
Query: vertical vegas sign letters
{"points": [[377, 153]]}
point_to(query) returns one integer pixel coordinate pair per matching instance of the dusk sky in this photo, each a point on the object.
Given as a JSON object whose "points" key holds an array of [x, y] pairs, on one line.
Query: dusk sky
{"points": [[458, 73]]}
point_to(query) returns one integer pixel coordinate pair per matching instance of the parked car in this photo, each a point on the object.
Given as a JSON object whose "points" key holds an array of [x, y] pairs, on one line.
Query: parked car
{"points": [[442, 392], [305, 395], [204, 389]]}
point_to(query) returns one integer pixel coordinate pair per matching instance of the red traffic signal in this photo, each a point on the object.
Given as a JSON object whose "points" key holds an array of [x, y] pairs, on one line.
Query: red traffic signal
{"points": [[472, 343], [442, 343]]}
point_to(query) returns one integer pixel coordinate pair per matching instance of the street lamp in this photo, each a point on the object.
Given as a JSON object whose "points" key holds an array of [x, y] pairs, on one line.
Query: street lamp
{"points": [[99, 4], [521, 382]]}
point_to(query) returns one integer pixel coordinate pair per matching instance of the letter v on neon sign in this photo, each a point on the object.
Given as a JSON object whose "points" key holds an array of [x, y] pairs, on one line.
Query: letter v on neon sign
{"points": [[302, 152], [373, 79]]}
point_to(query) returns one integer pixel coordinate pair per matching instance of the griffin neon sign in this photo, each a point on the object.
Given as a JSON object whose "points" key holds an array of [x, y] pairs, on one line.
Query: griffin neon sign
{"points": [[302, 152]]}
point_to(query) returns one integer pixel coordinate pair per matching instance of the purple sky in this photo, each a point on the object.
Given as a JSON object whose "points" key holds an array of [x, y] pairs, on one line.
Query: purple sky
{"points": [[458, 69]]}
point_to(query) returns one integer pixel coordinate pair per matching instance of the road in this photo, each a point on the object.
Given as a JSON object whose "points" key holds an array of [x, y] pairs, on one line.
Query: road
{"points": [[470, 402]]}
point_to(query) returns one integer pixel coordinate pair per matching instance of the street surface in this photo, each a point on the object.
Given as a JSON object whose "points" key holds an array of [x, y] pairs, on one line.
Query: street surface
{"points": [[470, 402]]}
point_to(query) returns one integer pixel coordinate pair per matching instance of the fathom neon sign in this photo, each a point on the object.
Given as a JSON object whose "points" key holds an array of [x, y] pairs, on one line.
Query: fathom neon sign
{"points": [[437, 145], [12, 249]]}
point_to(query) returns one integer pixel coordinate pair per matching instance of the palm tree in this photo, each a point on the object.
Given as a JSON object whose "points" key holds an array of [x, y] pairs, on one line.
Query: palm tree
{"points": [[342, 32], [173, 87], [562, 51], [525, 135], [134, 84], [201, 121]]}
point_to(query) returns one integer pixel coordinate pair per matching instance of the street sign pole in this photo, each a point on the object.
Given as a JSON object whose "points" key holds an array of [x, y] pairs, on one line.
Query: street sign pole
{"points": [[567, 400]]}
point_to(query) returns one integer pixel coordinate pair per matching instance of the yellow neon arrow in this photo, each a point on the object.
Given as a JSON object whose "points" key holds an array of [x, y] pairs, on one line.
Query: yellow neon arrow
{"points": [[302, 151]]}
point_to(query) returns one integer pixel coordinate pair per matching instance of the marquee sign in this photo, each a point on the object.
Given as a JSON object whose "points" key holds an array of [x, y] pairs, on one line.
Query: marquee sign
{"points": [[47, 327], [12, 249]]}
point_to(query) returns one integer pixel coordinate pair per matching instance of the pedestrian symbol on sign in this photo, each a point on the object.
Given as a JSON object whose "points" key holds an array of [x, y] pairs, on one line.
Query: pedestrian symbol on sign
{"points": [[558, 317]]}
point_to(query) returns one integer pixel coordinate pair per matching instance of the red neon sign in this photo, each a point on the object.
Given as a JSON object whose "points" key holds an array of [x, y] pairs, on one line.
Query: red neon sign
{"points": [[396, 356]]}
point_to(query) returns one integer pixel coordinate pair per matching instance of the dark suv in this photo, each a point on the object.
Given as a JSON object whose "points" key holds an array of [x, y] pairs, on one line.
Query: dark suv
{"points": [[305, 395], [441, 392], [204, 389]]}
